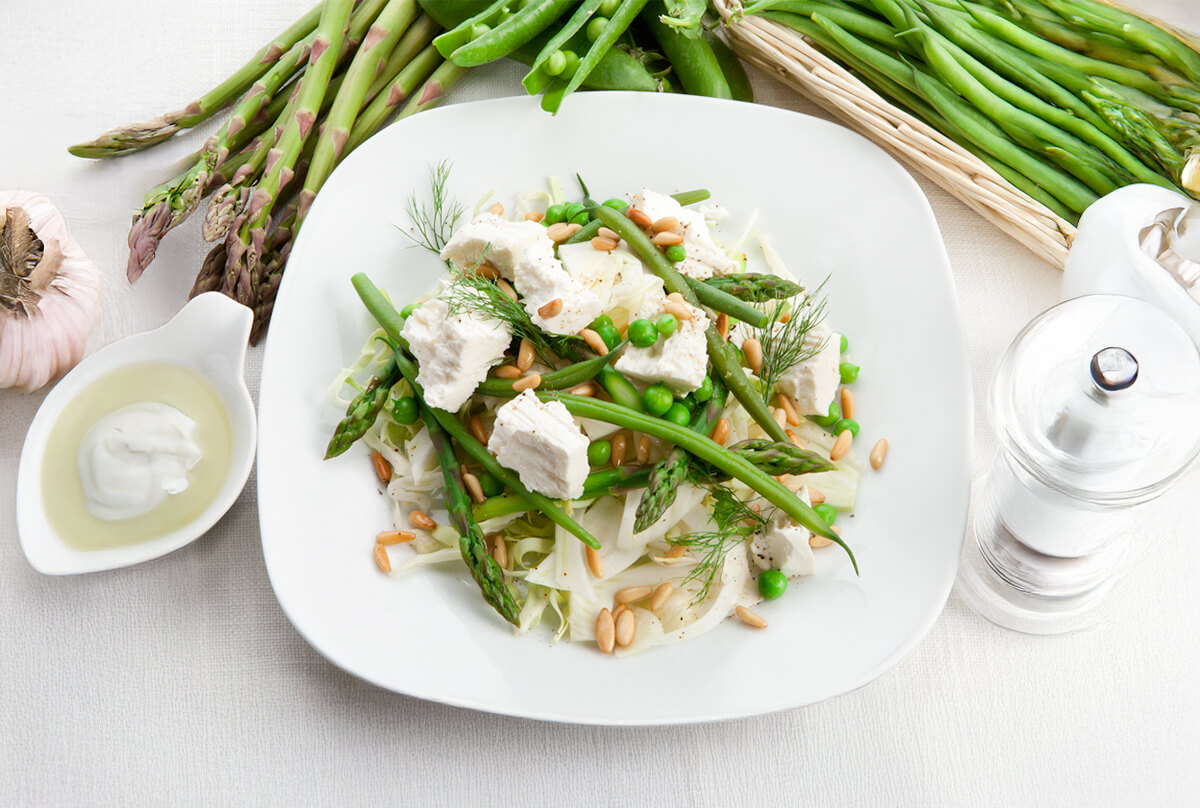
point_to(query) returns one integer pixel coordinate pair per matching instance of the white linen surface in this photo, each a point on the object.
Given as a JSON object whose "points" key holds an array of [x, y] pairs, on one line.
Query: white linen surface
{"points": [[180, 682]]}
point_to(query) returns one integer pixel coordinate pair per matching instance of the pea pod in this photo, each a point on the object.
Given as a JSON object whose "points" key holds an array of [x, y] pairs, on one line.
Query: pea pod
{"points": [[692, 58], [462, 30], [537, 79], [563, 379], [620, 21], [731, 66], [521, 27]]}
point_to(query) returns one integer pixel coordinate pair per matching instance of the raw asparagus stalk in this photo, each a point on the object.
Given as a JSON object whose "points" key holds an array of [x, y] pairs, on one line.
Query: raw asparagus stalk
{"points": [[137, 136], [752, 287], [774, 458], [363, 410]]}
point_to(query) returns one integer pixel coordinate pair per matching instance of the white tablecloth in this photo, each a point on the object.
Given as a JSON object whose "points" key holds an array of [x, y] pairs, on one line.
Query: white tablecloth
{"points": [[180, 682]]}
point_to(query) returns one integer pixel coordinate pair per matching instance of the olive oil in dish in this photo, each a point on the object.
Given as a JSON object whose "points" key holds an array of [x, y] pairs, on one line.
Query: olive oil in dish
{"points": [[139, 453]]}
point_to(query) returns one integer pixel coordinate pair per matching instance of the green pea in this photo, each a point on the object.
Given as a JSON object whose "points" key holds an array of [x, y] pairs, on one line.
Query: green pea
{"points": [[610, 335], [678, 413], [595, 28], [658, 399], [845, 424], [772, 584], [581, 218], [603, 321], [608, 7], [555, 214], [574, 209], [599, 452], [827, 421], [849, 372], [617, 204], [828, 513], [642, 333], [405, 410], [666, 324], [572, 64], [676, 253], [705, 391], [479, 29], [490, 485], [845, 343], [407, 311], [555, 64]]}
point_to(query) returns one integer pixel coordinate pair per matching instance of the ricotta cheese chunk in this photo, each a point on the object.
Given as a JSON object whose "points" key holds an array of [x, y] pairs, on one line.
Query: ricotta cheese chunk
{"points": [[814, 382], [678, 361], [783, 545], [454, 351], [542, 443], [704, 257]]}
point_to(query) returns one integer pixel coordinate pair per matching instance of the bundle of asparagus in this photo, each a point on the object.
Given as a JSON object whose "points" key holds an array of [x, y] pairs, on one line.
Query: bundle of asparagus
{"points": [[308, 98], [1066, 99]]}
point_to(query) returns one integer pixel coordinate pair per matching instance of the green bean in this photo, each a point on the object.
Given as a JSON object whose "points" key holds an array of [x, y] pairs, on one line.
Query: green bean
{"points": [[586, 233], [619, 388], [562, 379], [692, 59], [391, 322], [719, 352], [705, 449], [537, 79], [726, 303], [598, 483], [853, 20], [625, 14]]}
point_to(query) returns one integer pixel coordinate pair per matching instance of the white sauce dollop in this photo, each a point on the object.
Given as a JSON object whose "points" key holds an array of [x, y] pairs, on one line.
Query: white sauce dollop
{"points": [[132, 459]]}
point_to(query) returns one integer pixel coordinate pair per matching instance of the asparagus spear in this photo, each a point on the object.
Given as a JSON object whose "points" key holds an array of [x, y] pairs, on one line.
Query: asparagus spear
{"points": [[363, 410], [484, 569], [752, 287], [137, 136], [772, 457], [597, 484]]}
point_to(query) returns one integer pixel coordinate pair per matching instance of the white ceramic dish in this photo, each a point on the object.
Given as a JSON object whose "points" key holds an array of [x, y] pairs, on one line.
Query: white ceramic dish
{"points": [[833, 203], [208, 336]]}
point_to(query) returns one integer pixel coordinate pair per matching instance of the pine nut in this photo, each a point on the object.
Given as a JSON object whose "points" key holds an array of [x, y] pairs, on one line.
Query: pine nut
{"points": [[749, 618], [626, 628], [618, 450], [389, 537], [638, 217], [496, 209], [500, 550], [474, 487], [817, 542], [487, 271], [789, 407], [786, 317], [595, 562], [525, 355], [815, 496], [676, 552], [780, 416], [878, 453], [534, 216], [507, 289], [720, 432], [422, 520], [476, 427], [585, 389], [667, 239], [752, 349], [841, 445], [677, 297], [665, 223], [573, 228], [723, 325], [621, 607], [594, 341], [681, 310], [606, 631], [603, 244], [794, 439], [529, 382], [611, 235], [643, 449], [383, 469], [847, 403], [559, 232], [661, 593], [632, 594], [381, 558], [551, 309], [508, 372]]}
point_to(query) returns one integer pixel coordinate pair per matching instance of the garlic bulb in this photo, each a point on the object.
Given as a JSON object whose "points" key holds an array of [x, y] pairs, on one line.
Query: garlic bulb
{"points": [[50, 293]]}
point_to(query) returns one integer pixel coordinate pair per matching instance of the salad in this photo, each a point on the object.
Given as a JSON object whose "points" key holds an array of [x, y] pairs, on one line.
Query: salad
{"points": [[623, 428]]}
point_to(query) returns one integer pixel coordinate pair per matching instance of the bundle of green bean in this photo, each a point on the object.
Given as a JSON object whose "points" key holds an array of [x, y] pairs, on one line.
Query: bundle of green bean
{"points": [[1066, 99], [603, 44], [307, 99]]}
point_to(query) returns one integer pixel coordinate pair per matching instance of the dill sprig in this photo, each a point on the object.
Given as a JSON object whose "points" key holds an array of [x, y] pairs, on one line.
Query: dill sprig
{"points": [[434, 224], [735, 521], [786, 344], [471, 292]]}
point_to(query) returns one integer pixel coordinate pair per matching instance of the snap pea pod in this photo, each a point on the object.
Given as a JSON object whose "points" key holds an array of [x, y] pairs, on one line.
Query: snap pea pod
{"points": [[529, 21], [731, 66], [625, 14], [723, 302], [562, 379], [464, 29], [539, 77], [723, 360], [705, 449], [692, 58], [597, 484], [391, 322]]}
